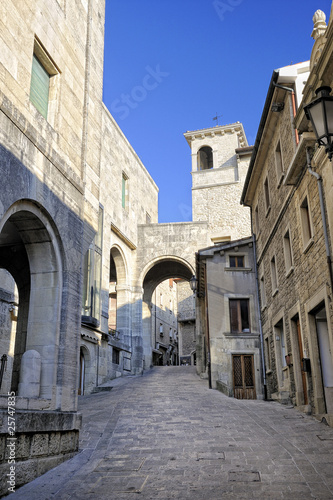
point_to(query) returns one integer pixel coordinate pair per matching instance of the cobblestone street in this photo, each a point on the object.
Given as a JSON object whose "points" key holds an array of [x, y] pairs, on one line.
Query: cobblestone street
{"points": [[165, 435]]}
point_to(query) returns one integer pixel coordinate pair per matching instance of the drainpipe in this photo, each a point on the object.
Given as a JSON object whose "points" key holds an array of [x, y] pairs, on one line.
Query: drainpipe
{"points": [[259, 314], [288, 89], [323, 214]]}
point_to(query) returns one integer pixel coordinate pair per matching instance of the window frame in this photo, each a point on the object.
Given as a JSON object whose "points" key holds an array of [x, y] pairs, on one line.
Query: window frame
{"points": [[43, 59], [238, 309]]}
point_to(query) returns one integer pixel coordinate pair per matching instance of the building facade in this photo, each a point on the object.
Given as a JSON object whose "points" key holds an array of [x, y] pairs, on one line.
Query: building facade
{"points": [[229, 350], [291, 205]]}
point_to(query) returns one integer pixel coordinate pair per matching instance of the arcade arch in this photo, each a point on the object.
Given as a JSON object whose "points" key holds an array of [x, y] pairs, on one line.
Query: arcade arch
{"points": [[30, 250], [119, 303], [155, 273]]}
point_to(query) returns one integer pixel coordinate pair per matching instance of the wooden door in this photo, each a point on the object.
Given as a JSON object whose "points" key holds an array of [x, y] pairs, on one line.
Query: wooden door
{"points": [[243, 375], [300, 347]]}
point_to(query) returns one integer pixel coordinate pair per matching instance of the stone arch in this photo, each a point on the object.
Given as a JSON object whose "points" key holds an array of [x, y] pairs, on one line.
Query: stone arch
{"points": [[31, 251], [205, 158], [119, 290], [154, 273]]}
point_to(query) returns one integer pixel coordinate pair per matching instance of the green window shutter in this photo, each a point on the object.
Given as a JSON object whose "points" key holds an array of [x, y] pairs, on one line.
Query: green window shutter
{"points": [[39, 88]]}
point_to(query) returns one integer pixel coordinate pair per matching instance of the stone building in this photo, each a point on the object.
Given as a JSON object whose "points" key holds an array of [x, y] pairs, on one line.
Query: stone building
{"points": [[164, 324], [292, 212], [220, 158], [228, 316], [73, 193], [186, 323]]}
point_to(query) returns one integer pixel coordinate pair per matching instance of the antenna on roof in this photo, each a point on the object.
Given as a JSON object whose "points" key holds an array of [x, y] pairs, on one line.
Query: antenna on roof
{"points": [[217, 118]]}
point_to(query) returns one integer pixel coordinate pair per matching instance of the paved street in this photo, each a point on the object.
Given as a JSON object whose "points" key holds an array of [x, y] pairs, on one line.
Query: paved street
{"points": [[165, 435]]}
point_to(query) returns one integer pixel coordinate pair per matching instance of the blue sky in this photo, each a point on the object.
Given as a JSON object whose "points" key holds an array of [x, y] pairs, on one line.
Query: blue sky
{"points": [[171, 65]]}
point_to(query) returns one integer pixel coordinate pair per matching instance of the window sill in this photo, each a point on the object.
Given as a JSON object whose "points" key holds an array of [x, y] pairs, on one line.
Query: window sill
{"points": [[275, 292], [290, 271], [268, 211], [308, 245]]}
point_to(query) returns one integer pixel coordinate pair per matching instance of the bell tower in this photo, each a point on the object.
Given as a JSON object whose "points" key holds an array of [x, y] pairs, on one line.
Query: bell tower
{"points": [[220, 160]]}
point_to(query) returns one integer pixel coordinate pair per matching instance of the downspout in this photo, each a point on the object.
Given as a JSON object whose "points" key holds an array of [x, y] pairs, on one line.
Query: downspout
{"points": [[323, 214], [208, 336], [288, 89], [259, 314]]}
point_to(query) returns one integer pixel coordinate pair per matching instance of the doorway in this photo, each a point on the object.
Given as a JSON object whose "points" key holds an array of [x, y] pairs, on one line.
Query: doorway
{"points": [[325, 358], [243, 376]]}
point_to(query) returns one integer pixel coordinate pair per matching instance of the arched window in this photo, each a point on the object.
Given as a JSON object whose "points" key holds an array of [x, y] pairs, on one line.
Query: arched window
{"points": [[205, 158]]}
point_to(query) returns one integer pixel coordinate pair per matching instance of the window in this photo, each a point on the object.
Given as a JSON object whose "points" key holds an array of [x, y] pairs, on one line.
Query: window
{"points": [[280, 336], [267, 199], [274, 276], [42, 70], [262, 292], [148, 218], [115, 356], [170, 334], [92, 275], [161, 330], [236, 261], [278, 164], [287, 252], [205, 158], [268, 354], [256, 219], [306, 222], [239, 315], [124, 191]]}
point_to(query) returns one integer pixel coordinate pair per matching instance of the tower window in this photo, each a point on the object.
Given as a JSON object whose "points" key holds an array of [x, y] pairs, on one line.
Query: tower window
{"points": [[205, 158]]}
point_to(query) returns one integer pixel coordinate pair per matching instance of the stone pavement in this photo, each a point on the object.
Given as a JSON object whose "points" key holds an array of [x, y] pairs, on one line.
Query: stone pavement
{"points": [[165, 435]]}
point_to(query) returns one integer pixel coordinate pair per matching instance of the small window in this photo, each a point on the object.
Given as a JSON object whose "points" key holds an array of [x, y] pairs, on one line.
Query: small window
{"points": [[306, 222], [267, 198], [256, 219], [124, 191], [161, 330], [287, 251], [43, 68], [115, 356], [148, 218], [274, 276], [236, 261], [278, 163], [280, 337], [205, 158], [268, 354], [262, 292], [239, 315]]}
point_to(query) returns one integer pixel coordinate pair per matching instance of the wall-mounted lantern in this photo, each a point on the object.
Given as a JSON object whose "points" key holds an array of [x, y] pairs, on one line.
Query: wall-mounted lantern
{"points": [[194, 284], [320, 113]]}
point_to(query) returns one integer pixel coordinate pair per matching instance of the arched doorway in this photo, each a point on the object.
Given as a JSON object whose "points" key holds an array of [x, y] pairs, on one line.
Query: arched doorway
{"points": [[30, 252], [157, 272]]}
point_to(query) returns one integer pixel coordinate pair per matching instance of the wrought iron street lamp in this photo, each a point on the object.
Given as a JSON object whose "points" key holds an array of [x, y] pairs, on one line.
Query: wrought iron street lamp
{"points": [[320, 113], [193, 284]]}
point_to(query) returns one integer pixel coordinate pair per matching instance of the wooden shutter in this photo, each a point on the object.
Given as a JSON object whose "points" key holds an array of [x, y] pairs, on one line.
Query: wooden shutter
{"points": [[233, 305], [39, 87]]}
